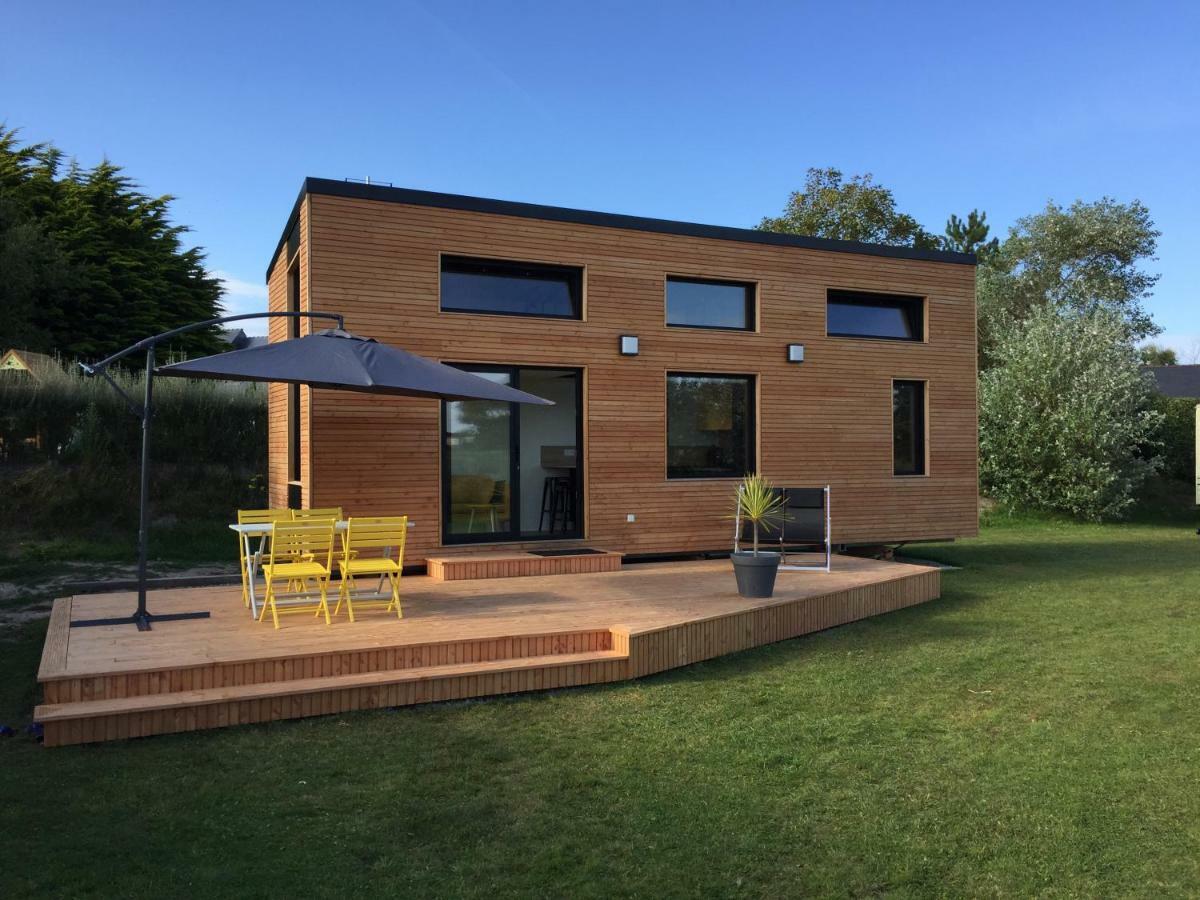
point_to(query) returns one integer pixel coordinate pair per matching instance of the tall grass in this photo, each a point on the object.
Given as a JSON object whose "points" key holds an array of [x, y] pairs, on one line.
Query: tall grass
{"points": [[69, 449]]}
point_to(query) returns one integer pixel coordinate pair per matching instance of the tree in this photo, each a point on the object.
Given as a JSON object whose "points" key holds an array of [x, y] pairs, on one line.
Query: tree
{"points": [[970, 236], [1066, 416], [854, 210], [1075, 260], [90, 264], [1154, 355]]}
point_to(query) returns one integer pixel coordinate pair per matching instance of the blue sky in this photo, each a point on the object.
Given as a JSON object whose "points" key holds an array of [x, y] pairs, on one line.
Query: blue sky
{"points": [[706, 112]]}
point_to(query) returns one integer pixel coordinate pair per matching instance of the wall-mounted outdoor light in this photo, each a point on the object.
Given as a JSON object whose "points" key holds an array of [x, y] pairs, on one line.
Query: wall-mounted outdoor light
{"points": [[795, 353], [629, 345]]}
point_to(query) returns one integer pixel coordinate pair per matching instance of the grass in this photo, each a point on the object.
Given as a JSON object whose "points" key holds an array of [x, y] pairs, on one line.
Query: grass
{"points": [[1033, 732], [26, 559]]}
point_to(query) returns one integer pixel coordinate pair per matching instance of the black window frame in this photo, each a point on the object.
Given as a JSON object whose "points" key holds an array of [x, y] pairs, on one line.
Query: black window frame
{"points": [[751, 301], [751, 464], [911, 304], [513, 535], [920, 438], [295, 468], [476, 265]]}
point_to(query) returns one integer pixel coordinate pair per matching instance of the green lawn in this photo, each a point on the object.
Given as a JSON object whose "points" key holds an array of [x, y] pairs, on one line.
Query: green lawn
{"points": [[1036, 731]]}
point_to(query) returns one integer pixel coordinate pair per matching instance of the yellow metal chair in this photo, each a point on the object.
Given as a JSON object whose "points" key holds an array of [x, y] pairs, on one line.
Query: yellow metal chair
{"points": [[255, 517], [299, 551], [382, 536], [321, 513], [324, 512]]}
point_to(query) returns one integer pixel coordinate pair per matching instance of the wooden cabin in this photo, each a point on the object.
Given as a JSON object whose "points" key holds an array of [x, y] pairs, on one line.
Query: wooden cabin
{"points": [[28, 364], [678, 356]]}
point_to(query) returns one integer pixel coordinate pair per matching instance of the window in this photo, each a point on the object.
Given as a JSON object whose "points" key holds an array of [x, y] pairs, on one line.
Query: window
{"points": [[511, 288], [710, 425], [511, 471], [908, 427], [701, 303], [889, 317]]}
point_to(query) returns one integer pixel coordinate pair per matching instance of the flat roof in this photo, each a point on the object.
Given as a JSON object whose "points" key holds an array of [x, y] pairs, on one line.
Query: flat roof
{"points": [[1176, 381], [331, 188]]}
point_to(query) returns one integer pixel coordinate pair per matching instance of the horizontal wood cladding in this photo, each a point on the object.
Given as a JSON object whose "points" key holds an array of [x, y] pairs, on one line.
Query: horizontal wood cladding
{"points": [[516, 564], [148, 681], [827, 420], [659, 649]]}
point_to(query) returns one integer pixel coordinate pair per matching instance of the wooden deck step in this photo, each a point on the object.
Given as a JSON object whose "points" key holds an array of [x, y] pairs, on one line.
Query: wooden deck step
{"points": [[63, 712], [464, 566]]}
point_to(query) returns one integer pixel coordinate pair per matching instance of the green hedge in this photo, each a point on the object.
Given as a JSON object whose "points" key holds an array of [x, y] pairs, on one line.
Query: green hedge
{"points": [[69, 449], [1177, 436]]}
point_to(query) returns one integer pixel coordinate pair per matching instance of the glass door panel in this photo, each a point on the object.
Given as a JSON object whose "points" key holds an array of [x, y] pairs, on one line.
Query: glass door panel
{"points": [[549, 447], [480, 465], [514, 471]]}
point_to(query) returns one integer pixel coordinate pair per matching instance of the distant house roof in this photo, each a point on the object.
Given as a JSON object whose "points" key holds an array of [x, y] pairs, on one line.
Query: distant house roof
{"points": [[239, 340], [37, 365], [1176, 381]]}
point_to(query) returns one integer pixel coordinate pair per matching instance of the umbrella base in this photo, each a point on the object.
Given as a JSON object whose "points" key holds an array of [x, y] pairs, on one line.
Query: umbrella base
{"points": [[142, 620]]}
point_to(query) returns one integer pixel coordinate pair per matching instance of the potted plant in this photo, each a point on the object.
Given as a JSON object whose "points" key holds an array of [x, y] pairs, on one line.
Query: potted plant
{"points": [[762, 506]]}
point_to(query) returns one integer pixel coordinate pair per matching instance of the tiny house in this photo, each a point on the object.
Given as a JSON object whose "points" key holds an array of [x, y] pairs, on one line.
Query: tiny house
{"points": [[678, 356]]}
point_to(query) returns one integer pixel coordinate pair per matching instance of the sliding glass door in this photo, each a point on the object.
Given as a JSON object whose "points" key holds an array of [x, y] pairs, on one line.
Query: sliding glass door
{"points": [[511, 471]]}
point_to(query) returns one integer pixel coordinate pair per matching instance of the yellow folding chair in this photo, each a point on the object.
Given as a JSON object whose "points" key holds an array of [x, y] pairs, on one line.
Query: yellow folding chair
{"points": [[324, 512], [381, 536], [321, 512], [299, 551], [255, 517]]}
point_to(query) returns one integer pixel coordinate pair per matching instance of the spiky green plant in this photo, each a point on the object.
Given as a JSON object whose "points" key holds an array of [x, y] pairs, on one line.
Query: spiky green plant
{"points": [[759, 504]]}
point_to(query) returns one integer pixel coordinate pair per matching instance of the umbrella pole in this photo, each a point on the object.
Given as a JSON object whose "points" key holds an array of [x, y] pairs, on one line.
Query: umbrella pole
{"points": [[142, 617]]}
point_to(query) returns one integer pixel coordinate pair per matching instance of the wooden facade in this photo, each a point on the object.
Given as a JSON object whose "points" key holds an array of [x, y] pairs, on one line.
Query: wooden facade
{"points": [[373, 254]]}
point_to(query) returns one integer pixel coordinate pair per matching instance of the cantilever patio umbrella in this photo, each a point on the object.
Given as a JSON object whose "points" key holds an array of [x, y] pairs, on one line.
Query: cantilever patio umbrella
{"points": [[343, 361], [327, 359]]}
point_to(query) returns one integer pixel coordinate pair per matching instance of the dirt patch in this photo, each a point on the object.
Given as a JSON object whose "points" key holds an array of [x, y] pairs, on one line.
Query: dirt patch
{"points": [[16, 616], [22, 603]]}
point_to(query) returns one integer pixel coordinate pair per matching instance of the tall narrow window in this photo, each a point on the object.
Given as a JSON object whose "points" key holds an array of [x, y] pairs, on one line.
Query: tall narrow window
{"points": [[710, 425], [293, 395], [908, 427]]}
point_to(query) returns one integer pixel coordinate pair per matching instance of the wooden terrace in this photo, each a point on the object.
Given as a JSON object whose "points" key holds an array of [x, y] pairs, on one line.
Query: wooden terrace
{"points": [[458, 639]]}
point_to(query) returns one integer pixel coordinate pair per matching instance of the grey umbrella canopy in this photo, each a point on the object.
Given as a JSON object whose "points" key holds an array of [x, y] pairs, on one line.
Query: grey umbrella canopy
{"points": [[342, 361]]}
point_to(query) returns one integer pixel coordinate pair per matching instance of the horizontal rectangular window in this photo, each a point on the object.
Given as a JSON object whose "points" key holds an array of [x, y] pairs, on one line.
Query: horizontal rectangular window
{"points": [[889, 317], [703, 303], [908, 427], [710, 425], [508, 288]]}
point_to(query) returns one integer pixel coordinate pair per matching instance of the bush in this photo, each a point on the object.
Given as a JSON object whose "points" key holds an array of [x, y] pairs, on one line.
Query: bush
{"points": [[1065, 416], [1176, 438], [71, 448]]}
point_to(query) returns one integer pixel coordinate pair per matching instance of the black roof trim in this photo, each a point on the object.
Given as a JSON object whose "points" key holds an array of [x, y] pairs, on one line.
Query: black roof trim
{"points": [[358, 191]]}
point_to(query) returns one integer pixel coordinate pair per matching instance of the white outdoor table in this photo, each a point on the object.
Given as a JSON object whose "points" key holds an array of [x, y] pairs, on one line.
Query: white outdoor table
{"points": [[261, 530]]}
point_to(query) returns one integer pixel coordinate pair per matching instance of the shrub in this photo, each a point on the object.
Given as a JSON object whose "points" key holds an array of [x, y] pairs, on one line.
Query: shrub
{"points": [[1176, 438], [1062, 416], [71, 449]]}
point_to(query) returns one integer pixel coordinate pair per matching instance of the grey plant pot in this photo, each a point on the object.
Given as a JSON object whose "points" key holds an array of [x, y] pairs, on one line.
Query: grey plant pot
{"points": [[755, 574]]}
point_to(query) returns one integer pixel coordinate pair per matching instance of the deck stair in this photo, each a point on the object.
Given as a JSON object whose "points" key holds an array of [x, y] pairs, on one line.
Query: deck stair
{"points": [[458, 639], [82, 710]]}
